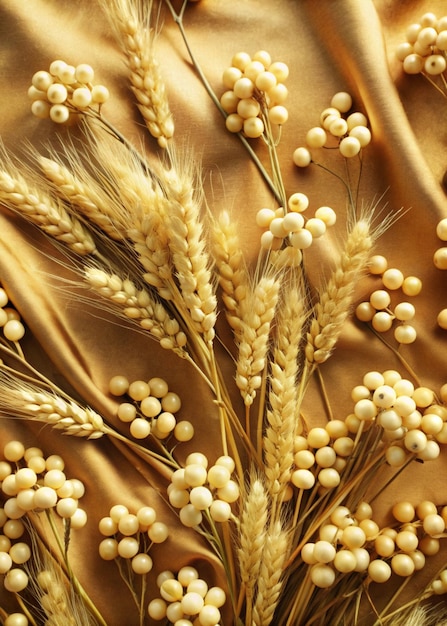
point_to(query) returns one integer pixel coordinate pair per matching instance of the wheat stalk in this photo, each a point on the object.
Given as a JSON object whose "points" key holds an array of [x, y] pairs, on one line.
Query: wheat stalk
{"points": [[256, 317], [270, 582], [283, 413], [49, 214], [24, 401], [83, 193], [335, 299], [188, 249], [137, 205], [252, 533], [231, 269], [138, 304], [131, 22]]}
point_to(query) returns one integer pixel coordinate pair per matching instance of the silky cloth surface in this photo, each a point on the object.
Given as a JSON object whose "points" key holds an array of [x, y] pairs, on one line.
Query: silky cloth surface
{"points": [[329, 46]]}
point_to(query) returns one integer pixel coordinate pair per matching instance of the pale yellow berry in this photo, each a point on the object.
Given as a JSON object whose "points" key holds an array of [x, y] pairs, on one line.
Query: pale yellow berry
{"points": [[345, 561], [302, 157], [57, 93], [81, 97], [278, 114], [356, 119], [316, 137], [442, 319], [341, 101], [280, 70], [362, 133], [118, 385], [253, 127], [322, 576], [440, 258], [412, 286], [392, 278], [241, 60], [441, 228], [248, 107], [229, 101], [379, 571], [243, 88]]}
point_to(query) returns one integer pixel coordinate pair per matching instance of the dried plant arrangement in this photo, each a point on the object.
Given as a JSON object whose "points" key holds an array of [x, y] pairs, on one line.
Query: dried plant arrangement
{"points": [[286, 507]]}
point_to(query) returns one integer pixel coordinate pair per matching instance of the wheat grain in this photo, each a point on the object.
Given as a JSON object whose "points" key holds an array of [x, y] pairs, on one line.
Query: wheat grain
{"points": [[131, 22], [335, 300], [231, 269], [46, 212], [283, 414], [256, 317], [137, 304], [270, 582]]}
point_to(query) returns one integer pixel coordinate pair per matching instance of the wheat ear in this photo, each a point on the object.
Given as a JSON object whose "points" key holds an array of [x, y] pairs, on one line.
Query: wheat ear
{"points": [[283, 412], [138, 305], [46, 212], [270, 582], [188, 248], [231, 268], [335, 299], [256, 317], [22, 400], [83, 194], [137, 205], [252, 531], [131, 22]]}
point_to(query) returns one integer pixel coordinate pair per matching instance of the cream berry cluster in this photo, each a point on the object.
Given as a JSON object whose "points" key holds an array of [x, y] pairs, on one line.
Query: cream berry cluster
{"points": [[413, 422], [321, 455], [255, 93], [289, 225], [353, 542], [425, 46], [32, 484], [10, 319], [198, 489], [380, 312], [150, 408], [129, 536], [65, 91], [186, 599], [349, 131]]}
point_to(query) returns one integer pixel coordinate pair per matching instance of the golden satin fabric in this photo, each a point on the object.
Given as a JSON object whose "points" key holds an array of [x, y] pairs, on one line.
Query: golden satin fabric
{"points": [[329, 46]]}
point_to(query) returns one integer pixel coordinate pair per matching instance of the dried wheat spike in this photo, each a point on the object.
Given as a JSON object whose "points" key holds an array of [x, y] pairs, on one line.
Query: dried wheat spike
{"points": [[85, 195], [270, 581], [49, 214], [27, 402], [137, 205], [188, 249], [335, 299], [256, 317], [283, 414], [231, 268], [138, 305], [252, 529], [131, 21]]}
